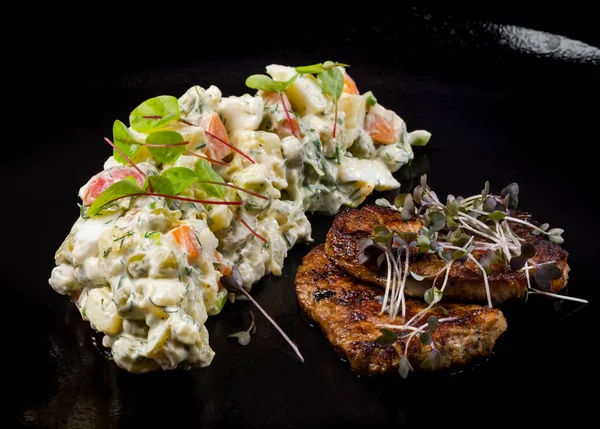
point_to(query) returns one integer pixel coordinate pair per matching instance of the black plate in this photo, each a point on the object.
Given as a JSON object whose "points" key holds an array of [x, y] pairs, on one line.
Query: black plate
{"points": [[503, 103]]}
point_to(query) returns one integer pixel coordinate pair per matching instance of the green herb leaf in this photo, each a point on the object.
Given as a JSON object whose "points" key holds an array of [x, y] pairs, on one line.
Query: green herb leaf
{"points": [[545, 274], [423, 243], [123, 139], [425, 337], [408, 208], [458, 238], [497, 216], [205, 172], [331, 81], [311, 69], [165, 154], [154, 113], [266, 83], [399, 200], [511, 196], [158, 185], [243, 337], [489, 205], [318, 68], [555, 234], [417, 277], [180, 177], [528, 250], [433, 295], [120, 189], [432, 323], [451, 224], [404, 367], [438, 221], [433, 360], [387, 337]]}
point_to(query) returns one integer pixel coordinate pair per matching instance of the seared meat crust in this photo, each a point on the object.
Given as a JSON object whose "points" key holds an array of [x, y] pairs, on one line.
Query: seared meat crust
{"points": [[465, 281], [348, 312]]}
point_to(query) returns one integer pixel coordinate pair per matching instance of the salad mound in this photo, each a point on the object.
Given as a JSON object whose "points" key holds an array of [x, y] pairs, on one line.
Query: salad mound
{"points": [[204, 187]]}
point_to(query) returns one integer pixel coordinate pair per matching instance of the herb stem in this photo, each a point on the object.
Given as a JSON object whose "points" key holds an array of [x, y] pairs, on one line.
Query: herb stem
{"points": [[287, 115], [256, 234], [211, 160], [485, 280], [126, 158], [387, 283], [255, 194], [335, 116], [554, 295], [283, 334], [230, 146]]}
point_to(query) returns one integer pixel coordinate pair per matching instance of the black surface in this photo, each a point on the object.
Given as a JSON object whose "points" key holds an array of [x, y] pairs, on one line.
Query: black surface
{"points": [[503, 104]]}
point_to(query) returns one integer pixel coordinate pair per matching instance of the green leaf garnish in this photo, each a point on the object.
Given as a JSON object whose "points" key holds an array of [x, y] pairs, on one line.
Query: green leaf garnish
{"points": [[432, 323], [205, 173], [387, 337], [123, 139], [433, 360], [168, 139], [120, 189], [180, 177], [497, 216], [266, 83], [425, 337], [154, 113], [545, 274], [433, 295], [158, 185], [404, 367], [331, 81], [318, 68]]}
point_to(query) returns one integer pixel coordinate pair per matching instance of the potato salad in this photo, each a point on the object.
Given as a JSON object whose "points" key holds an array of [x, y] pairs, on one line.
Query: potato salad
{"points": [[203, 184]]}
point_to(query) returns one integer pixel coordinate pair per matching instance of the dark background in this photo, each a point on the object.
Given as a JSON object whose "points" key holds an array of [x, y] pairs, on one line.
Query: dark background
{"points": [[503, 104]]}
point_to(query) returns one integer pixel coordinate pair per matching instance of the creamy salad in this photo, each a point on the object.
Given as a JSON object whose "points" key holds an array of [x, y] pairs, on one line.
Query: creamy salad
{"points": [[145, 269]]}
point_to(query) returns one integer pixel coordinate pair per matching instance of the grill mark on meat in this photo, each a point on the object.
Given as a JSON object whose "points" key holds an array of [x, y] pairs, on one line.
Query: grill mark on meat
{"points": [[323, 294], [350, 321]]}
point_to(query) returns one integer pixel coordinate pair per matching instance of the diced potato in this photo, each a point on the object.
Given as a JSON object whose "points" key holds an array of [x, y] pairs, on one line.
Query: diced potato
{"points": [[366, 170], [102, 311], [304, 94], [355, 108], [158, 336], [242, 113], [219, 217]]}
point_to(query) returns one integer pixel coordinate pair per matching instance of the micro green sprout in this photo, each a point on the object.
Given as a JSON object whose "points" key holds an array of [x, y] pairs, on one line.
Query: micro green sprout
{"points": [[233, 283], [477, 230]]}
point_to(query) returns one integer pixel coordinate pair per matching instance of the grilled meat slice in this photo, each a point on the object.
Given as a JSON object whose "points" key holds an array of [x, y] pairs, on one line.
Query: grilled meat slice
{"points": [[348, 312], [465, 280]]}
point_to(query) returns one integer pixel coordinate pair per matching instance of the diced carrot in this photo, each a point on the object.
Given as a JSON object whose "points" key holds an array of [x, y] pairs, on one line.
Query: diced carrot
{"points": [[214, 148], [186, 237], [224, 268], [383, 125], [349, 85], [103, 180]]}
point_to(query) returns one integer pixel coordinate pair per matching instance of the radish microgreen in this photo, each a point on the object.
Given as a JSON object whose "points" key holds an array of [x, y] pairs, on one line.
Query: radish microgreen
{"points": [[243, 337], [233, 283], [452, 232]]}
